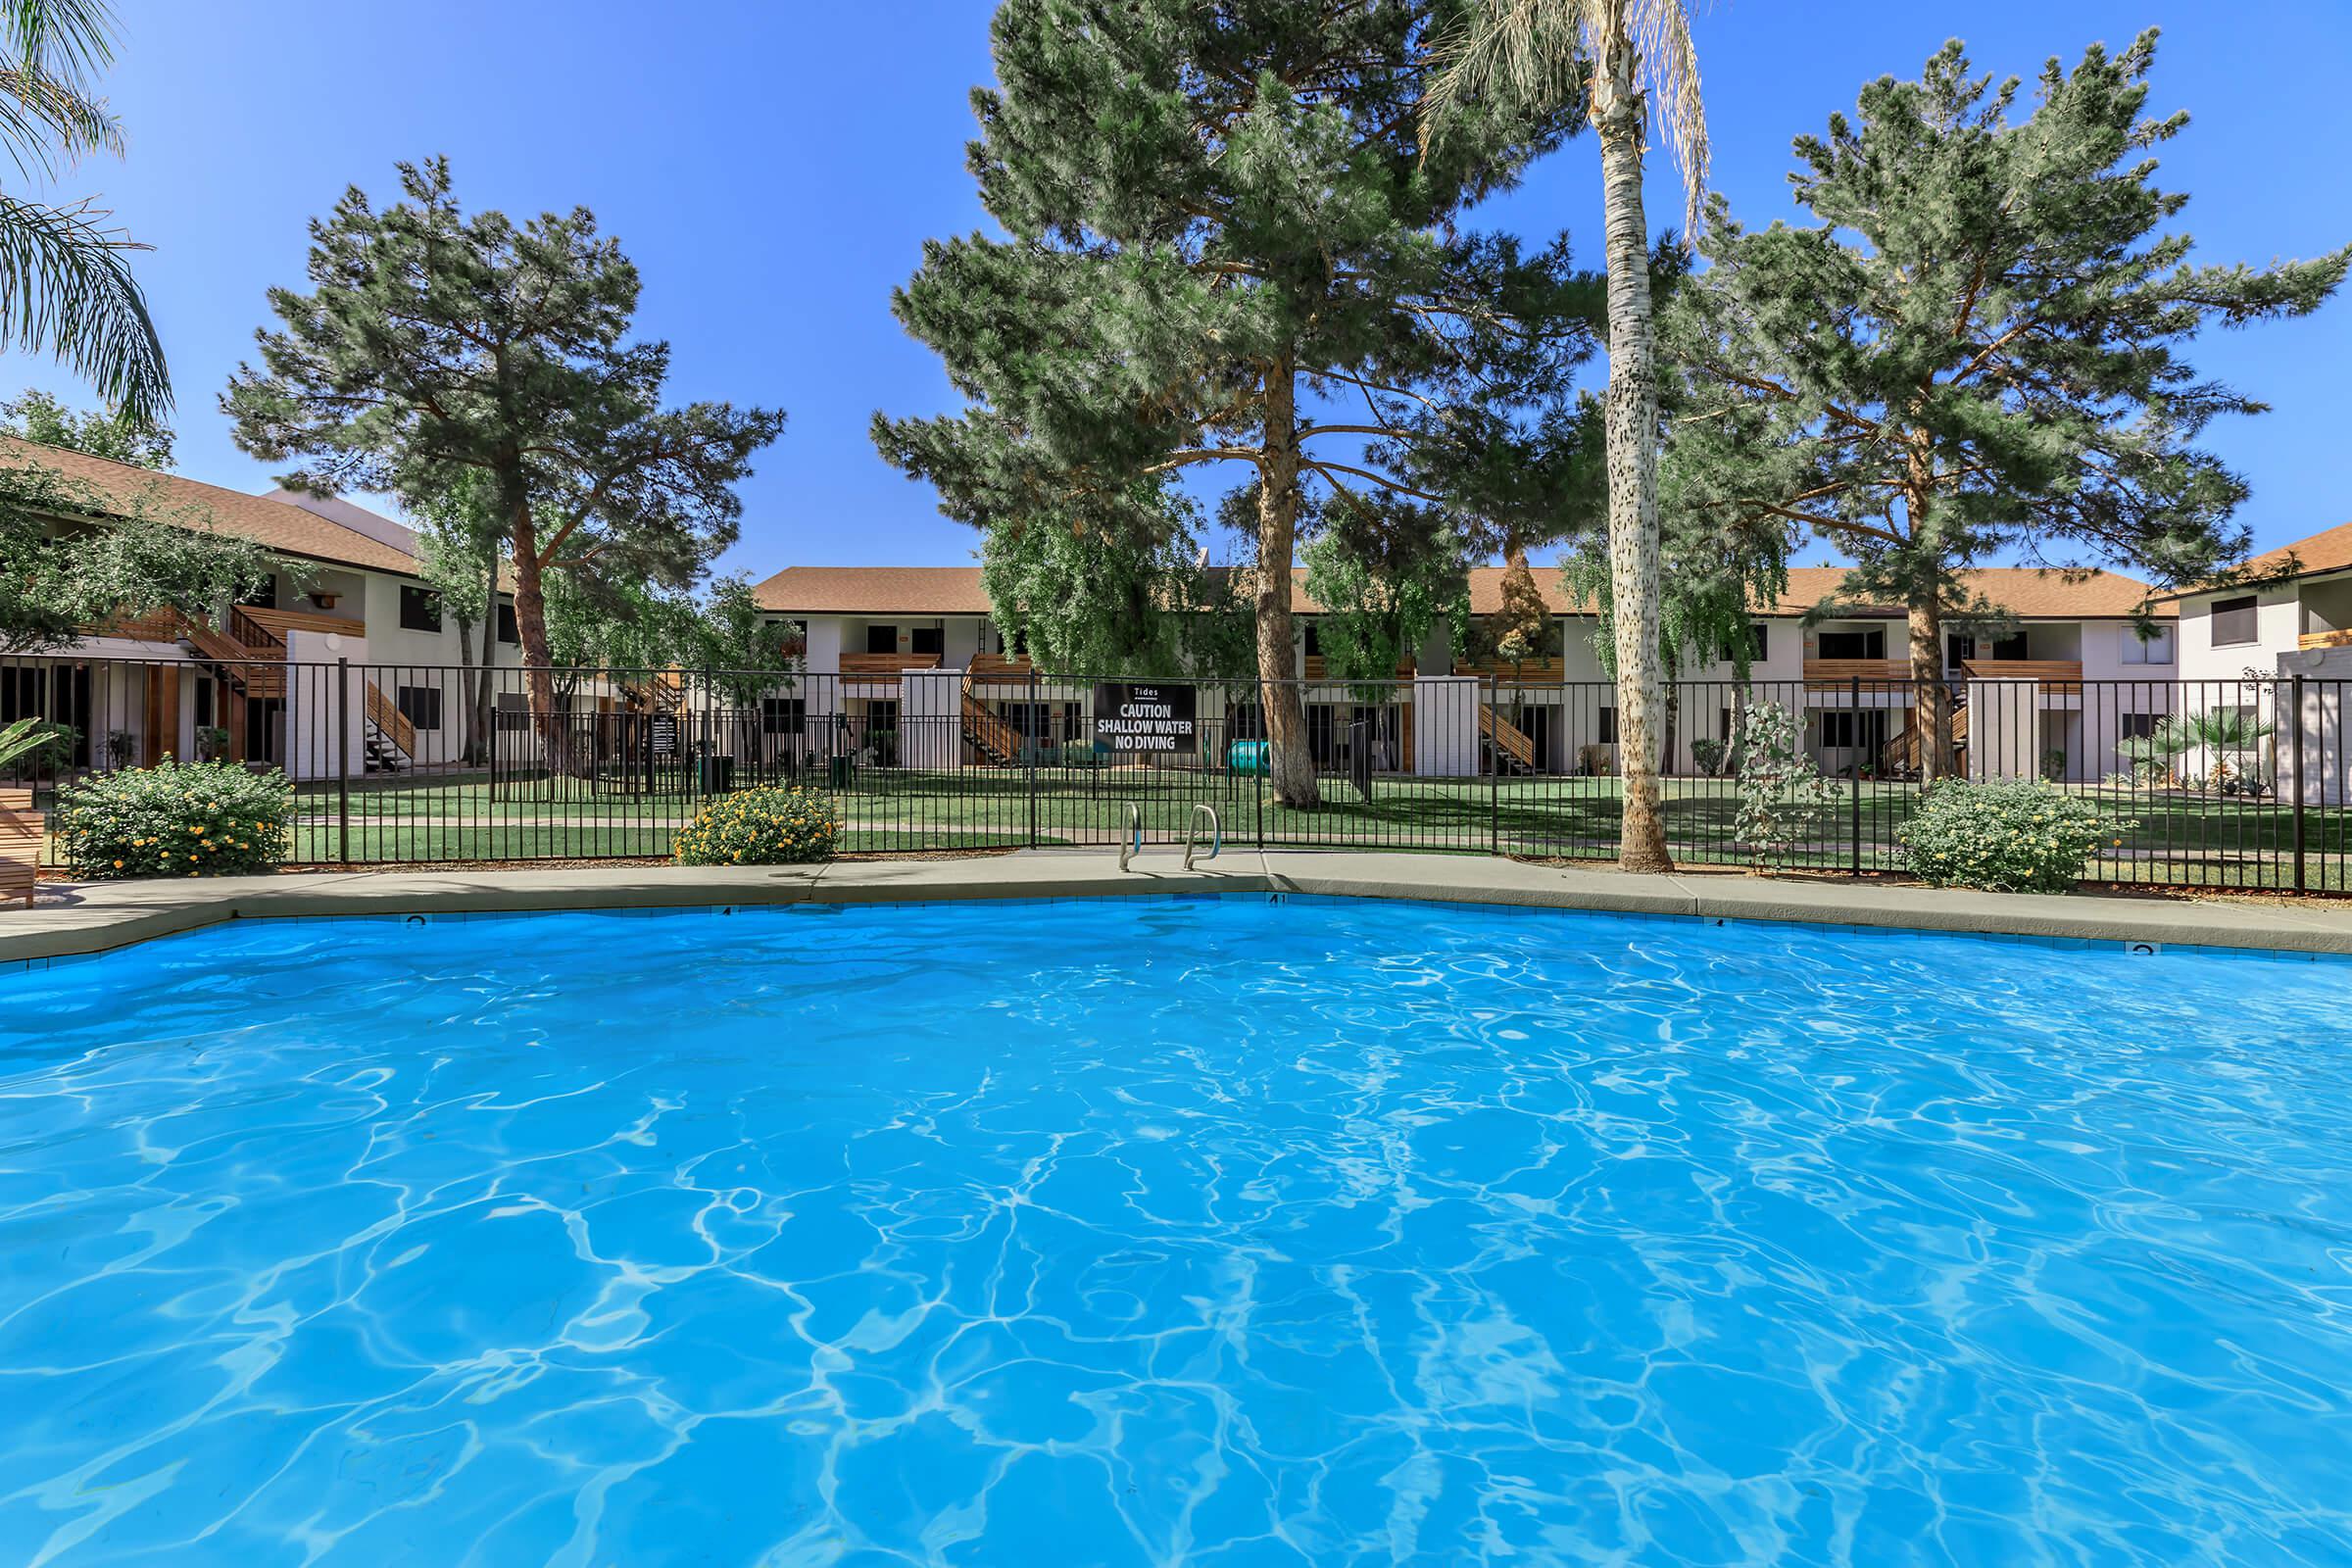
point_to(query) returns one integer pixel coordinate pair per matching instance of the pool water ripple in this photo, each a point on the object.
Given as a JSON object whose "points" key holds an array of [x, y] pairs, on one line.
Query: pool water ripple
{"points": [[1200, 1231]]}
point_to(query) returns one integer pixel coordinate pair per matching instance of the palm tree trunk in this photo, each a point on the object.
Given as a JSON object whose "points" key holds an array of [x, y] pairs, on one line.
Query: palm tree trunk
{"points": [[1631, 427], [1294, 762]]}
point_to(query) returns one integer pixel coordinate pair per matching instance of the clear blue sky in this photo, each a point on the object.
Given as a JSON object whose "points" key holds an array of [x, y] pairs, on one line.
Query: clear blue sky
{"points": [[773, 170]]}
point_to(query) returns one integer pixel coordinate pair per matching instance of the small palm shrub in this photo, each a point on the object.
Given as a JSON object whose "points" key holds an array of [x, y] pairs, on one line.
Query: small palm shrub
{"points": [[2005, 835], [767, 827], [175, 820]]}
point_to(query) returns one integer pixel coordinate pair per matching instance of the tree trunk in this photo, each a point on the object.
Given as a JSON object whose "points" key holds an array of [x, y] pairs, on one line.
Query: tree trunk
{"points": [[470, 733], [484, 707], [530, 622], [1294, 762], [1932, 705], [1930, 699], [1631, 427]]}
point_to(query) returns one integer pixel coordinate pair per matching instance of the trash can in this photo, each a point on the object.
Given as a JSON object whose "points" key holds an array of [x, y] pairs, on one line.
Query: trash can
{"points": [[715, 774], [837, 771]]}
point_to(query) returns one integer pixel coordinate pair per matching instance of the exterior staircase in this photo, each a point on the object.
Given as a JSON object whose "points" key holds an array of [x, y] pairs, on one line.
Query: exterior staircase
{"points": [[387, 739], [1513, 749], [995, 741]]}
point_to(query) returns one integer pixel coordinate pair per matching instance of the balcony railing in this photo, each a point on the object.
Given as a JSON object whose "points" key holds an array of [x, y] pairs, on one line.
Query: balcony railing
{"points": [[885, 666], [2055, 674], [1823, 674], [1318, 667]]}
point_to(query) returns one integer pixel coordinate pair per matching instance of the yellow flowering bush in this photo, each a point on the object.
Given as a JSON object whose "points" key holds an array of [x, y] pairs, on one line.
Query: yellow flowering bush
{"points": [[2005, 835], [175, 820], [767, 827]]}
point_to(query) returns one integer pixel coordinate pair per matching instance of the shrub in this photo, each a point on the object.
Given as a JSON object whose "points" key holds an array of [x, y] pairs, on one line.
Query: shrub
{"points": [[175, 820], [2005, 835], [767, 827], [1782, 797], [1710, 756]]}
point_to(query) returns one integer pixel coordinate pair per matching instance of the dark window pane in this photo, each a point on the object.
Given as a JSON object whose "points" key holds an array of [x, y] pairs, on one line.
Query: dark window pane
{"points": [[420, 609], [929, 640], [2232, 621], [881, 639], [508, 630]]}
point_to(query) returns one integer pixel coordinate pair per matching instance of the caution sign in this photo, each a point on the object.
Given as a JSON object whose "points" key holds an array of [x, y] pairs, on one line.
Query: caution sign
{"points": [[1135, 717]]}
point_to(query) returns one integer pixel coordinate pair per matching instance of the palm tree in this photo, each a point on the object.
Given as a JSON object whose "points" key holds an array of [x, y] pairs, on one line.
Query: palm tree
{"points": [[65, 284], [1618, 53]]}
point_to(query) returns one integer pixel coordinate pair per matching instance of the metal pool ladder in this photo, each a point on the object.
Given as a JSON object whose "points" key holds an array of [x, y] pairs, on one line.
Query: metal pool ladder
{"points": [[1133, 845], [1192, 833]]}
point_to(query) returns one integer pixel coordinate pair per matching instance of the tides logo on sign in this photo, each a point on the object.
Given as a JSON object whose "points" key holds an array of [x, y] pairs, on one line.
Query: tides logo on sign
{"points": [[1135, 717]]}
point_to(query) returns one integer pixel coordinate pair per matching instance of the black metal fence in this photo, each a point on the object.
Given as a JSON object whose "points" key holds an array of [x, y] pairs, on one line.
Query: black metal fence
{"points": [[2238, 783]]}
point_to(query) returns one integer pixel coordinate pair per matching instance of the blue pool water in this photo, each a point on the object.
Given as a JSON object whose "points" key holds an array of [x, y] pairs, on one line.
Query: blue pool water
{"points": [[1212, 1231]]}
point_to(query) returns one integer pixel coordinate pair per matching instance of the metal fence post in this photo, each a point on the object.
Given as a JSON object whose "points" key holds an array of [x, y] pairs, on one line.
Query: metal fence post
{"points": [[1028, 723], [343, 760], [1494, 753], [2296, 696], [1854, 777]]}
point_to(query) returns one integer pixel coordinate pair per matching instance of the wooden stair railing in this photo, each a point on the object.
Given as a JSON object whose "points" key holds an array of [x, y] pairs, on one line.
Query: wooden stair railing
{"points": [[1902, 753], [1508, 738], [385, 715], [255, 668], [996, 739]]}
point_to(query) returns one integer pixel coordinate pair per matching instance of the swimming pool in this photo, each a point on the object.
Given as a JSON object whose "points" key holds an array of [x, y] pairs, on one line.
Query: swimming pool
{"points": [[1216, 1230]]}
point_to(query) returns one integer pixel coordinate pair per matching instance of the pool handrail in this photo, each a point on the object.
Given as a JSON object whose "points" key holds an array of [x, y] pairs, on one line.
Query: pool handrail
{"points": [[1133, 845], [1192, 833]]}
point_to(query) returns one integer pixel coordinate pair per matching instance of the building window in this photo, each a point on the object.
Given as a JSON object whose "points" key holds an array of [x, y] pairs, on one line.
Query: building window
{"points": [[1850, 729], [2010, 647], [420, 609], [263, 598], [511, 712], [420, 706], [1757, 641], [783, 715], [1958, 649], [2136, 726], [508, 631], [929, 640], [1608, 726], [2232, 621], [881, 639], [1870, 644], [2154, 648]]}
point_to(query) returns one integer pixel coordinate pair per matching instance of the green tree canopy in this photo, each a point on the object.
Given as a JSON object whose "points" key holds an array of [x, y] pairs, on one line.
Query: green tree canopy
{"points": [[72, 559], [1978, 347], [1382, 587], [1222, 248], [432, 343], [35, 416]]}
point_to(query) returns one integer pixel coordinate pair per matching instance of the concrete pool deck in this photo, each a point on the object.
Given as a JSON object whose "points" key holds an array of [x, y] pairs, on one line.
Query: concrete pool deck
{"points": [[80, 918]]}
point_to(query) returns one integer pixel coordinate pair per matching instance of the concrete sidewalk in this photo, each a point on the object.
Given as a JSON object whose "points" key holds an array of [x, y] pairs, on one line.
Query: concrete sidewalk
{"points": [[72, 918]]}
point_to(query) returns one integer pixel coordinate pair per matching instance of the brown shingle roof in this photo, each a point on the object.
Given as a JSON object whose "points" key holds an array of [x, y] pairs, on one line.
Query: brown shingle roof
{"points": [[273, 524], [875, 591], [2026, 591], [2329, 550]]}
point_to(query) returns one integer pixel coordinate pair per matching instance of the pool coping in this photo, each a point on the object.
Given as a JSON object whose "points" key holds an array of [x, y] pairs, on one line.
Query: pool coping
{"points": [[75, 919]]}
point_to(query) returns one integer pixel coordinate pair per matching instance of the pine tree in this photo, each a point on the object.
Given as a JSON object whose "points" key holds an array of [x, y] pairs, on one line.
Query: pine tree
{"points": [[1224, 247], [432, 344], [1977, 349]]}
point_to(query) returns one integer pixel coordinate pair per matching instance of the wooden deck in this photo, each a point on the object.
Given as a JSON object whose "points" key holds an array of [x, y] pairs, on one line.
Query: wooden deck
{"points": [[2324, 639]]}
